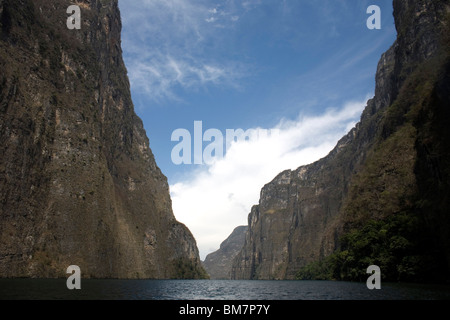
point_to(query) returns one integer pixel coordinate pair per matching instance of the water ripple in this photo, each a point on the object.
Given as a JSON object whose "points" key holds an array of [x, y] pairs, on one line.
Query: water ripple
{"points": [[215, 290]]}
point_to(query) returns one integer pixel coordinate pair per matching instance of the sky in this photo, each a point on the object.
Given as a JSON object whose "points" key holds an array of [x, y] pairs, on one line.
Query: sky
{"points": [[233, 92]]}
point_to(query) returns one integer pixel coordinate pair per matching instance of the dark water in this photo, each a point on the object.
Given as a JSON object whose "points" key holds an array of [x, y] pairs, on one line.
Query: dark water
{"points": [[215, 289]]}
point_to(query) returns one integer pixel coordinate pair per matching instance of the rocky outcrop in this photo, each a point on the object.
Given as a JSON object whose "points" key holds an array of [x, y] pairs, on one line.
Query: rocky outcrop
{"points": [[78, 182], [218, 263], [372, 177]]}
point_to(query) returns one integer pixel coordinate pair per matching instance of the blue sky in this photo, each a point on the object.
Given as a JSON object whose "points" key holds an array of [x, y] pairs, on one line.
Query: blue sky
{"points": [[303, 67]]}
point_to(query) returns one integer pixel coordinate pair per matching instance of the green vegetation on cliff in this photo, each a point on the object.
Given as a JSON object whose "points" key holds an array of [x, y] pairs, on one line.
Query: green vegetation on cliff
{"points": [[396, 212]]}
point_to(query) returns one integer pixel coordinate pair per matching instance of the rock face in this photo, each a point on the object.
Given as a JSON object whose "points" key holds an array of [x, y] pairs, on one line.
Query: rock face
{"points": [[218, 264], [393, 165], [78, 182]]}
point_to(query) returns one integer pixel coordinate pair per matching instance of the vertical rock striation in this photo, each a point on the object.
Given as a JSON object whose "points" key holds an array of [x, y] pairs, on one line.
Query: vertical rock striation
{"points": [[218, 263], [78, 181], [382, 171]]}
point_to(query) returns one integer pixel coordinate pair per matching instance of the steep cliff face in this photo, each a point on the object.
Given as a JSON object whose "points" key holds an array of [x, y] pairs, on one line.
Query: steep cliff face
{"points": [[377, 179], [78, 181], [218, 263]]}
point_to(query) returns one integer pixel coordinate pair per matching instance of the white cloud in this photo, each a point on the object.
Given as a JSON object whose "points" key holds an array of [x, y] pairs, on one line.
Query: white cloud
{"points": [[218, 197]]}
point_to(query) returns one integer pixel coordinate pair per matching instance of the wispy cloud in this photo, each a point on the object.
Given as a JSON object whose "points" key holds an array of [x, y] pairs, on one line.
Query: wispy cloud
{"points": [[290, 55], [217, 198], [158, 75], [168, 53]]}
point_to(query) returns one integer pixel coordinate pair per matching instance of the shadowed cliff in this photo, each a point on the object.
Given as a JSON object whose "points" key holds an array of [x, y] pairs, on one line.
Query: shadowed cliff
{"points": [[78, 181]]}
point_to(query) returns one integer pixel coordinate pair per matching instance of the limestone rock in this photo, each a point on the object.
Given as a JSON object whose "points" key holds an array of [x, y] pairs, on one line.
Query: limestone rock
{"points": [[78, 182], [385, 166], [218, 263]]}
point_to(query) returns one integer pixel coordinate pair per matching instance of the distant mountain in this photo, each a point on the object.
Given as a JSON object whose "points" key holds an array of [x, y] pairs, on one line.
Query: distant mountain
{"points": [[382, 195], [78, 182], [218, 263]]}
